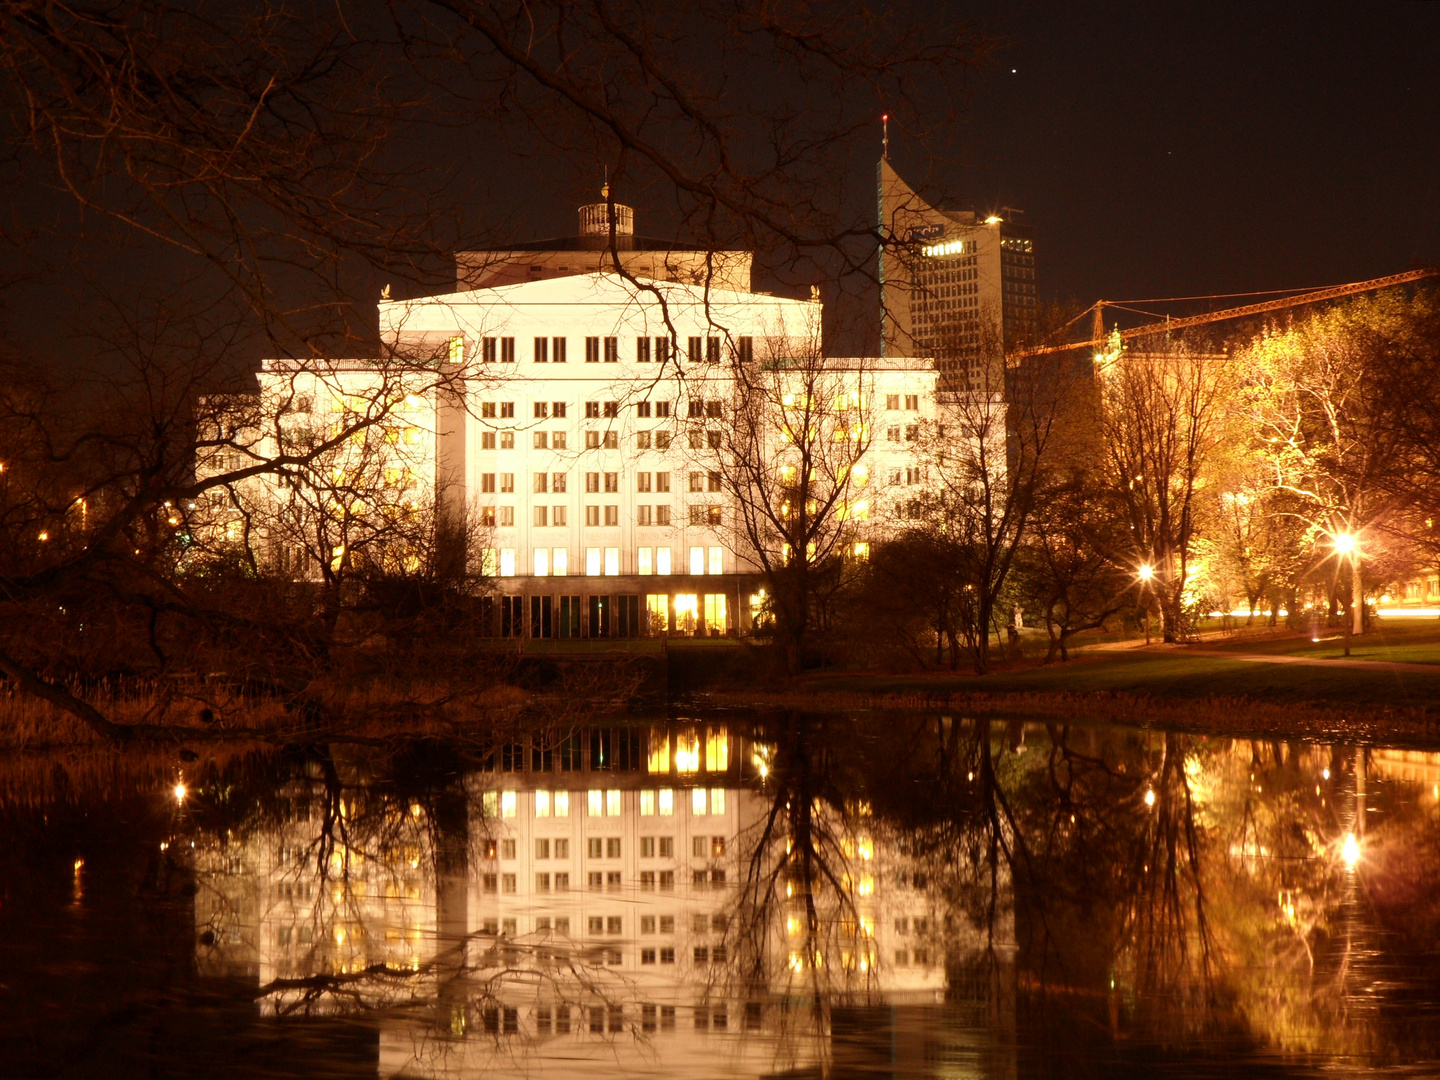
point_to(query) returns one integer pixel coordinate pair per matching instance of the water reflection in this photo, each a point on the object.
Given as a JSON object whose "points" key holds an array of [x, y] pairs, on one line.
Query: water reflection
{"points": [[809, 895]]}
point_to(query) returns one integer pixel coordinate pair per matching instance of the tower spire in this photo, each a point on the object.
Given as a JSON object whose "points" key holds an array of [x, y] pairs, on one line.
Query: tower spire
{"points": [[885, 136]]}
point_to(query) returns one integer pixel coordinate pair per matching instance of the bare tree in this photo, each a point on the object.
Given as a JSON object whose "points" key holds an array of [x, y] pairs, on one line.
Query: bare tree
{"points": [[1162, 419], [793, 467]]}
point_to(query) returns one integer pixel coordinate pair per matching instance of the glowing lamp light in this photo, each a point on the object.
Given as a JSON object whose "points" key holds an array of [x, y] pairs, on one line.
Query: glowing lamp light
{"points": [[1350, 851], [1344, 543], [993, 219], [1150, 797], [1147, 572], [180, 792], [1325, 773]]}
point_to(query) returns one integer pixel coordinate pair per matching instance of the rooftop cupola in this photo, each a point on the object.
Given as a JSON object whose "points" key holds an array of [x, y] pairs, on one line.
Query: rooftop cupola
{"points": [[595, 218]]}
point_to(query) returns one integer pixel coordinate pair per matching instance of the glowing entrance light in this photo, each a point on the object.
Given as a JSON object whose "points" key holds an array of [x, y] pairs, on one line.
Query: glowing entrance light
{"points": [[180, 792], [1350, 851]]}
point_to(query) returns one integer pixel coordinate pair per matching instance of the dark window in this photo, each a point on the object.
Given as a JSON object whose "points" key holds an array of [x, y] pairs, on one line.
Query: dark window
{"points": [[542, 350], [487, 350], [642, 350], [612, 409], [507, 350], [542, 410], [612, 350], [745, 350], [592, 350], [507, 410], [697, 410], [712, 350], [696, 345], [557, 350], [592, 410]]}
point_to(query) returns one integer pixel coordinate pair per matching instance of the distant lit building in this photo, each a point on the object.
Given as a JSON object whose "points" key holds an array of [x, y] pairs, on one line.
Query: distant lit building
{"points": [[954, 286]]}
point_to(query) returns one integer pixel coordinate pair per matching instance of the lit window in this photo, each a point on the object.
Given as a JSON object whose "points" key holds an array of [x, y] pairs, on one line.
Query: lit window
{"points": [[597, 803], [667, 806], [687, 752], [507, 562], [717, 800], [558, 556], [612, 803], [542, 561], [612, 560], [542, 804], [697, 560], [717, 560], [592, 561], [662, 561], [507, 804], [717, 750], [647, 804], [697, 801], [644, 563], [562, 806], [659, 761]]}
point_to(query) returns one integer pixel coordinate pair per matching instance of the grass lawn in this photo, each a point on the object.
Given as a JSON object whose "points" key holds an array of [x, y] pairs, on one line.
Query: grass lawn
{"points": [[1169, 674], [1410, 641]]}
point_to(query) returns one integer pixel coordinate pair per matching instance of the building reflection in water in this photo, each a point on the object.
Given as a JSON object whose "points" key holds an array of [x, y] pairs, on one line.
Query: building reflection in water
{"points": [[620, 900], [925, 895]]}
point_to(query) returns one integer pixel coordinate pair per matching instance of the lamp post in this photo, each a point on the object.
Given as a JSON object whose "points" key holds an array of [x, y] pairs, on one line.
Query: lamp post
{"points": [[1146, 573], [1348, 551]]}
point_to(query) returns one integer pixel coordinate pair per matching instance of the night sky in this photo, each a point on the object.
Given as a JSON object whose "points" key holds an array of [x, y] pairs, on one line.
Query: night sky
{"points": [[1174, 149], [1158, 150]]}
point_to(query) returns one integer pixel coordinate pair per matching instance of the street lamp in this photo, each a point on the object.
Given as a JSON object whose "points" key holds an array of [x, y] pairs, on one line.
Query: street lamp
{"points": [[1146, 573], [1347, 548]]}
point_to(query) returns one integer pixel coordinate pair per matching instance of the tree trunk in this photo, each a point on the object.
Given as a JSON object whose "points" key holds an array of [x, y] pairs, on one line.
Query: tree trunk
{"points": [[1357, 598]]}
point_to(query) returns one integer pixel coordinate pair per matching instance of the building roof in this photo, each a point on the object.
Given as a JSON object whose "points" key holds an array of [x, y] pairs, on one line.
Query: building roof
{"points": [[596, 287]]}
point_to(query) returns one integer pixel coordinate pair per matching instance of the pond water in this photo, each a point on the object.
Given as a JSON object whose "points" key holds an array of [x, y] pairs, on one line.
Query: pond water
{"points": [[746, 895]]}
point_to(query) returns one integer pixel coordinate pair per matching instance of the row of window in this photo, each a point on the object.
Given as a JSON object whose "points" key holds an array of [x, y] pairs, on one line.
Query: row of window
{"points": [[704, 802], [543, 483], [606, 880], [553, 350], [609, 847], [600, 517], [605, 561], [608, 924], [696, 409], [697, 439]]}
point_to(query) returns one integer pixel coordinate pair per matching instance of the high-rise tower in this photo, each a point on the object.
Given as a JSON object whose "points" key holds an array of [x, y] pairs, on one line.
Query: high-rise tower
{"points": [[954, 286]]}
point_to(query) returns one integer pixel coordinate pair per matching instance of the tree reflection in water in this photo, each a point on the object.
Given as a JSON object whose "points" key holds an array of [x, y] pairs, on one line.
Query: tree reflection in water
{"points": [[1080, 895]]}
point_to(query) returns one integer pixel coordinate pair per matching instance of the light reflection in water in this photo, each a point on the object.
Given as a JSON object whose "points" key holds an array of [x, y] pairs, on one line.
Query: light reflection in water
{"points": [[907, 896]]}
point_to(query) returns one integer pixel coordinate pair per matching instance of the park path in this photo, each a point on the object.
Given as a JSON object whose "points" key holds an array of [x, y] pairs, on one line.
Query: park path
{"points": [[1317, 661]]}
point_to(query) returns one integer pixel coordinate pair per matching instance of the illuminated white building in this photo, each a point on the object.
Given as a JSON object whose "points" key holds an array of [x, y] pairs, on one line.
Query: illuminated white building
{"points": [[580, 419]]}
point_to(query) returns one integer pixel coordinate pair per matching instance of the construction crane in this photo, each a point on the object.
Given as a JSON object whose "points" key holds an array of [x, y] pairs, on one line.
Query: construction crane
{"points": [[1099, 337]]}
